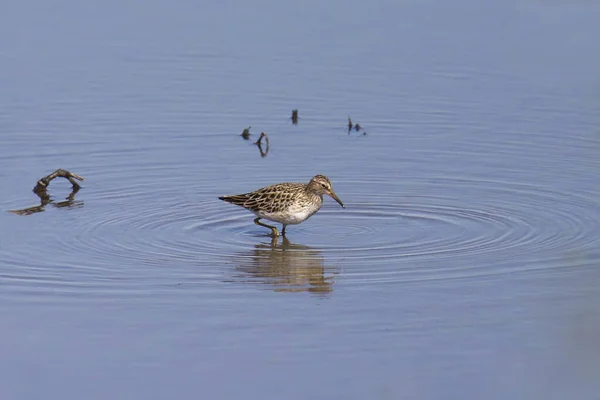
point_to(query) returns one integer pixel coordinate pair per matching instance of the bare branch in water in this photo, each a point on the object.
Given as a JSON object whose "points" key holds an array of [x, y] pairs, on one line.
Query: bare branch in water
{"points": [[356, 127], [263, 135], [295, 116], [246, 133], [264, 153], [40, 191], [43, 183]]}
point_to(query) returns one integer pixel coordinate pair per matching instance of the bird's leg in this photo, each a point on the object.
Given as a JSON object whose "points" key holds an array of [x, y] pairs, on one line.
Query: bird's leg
{"points": [[273, 229], [283, 230]]}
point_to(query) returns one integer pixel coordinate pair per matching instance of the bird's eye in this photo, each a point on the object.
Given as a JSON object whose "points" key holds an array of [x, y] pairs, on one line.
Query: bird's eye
{"points": [[324, 185]]}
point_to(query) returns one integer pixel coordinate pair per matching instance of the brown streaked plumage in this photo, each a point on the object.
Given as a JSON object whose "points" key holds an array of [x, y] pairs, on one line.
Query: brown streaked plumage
{"points": [[288, 203]]}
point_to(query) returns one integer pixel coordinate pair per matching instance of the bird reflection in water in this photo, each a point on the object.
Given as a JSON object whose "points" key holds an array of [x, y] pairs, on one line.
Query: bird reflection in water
{"points": [[287, 267], [46, 199]]}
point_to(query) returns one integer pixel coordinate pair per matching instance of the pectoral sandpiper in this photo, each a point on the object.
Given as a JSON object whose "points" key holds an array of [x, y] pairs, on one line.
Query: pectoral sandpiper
{"points": [[288, 203]]}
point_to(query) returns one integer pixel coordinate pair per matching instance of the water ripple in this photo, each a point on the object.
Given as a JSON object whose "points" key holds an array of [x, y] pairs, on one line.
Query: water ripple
{"points": [[389, 235], [411, 230]]}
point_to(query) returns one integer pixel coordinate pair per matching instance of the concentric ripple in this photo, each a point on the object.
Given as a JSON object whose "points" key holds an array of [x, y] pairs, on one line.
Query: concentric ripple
{"points": [[414, 233], [507, 227], [435, 228]]}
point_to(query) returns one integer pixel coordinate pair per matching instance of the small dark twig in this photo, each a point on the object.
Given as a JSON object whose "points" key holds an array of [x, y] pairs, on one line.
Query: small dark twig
{"points": [[43, 183], [259, 144], [262, 135], [349, 125], [295, 116], [246, 133]]}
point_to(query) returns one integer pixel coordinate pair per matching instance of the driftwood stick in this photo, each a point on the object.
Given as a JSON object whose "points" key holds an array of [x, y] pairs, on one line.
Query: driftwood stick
{"points": [[264, 153], [43, 183], [294, 116], [246, 133], [263, 135]]}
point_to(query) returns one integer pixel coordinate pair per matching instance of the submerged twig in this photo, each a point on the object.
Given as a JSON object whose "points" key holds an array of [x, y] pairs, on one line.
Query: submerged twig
{"points": [[246, 133], [294, 116], [262, 135], [40, 191], [43, 183], [356, 127], [259, 144]]}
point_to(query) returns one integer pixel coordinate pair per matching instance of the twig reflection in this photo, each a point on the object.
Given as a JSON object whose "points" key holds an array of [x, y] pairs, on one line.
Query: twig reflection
{"points": [[45, 199], [287, 267]]}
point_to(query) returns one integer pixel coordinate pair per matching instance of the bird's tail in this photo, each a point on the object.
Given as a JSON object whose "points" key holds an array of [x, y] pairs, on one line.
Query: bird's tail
{"points": [[237, 199]]}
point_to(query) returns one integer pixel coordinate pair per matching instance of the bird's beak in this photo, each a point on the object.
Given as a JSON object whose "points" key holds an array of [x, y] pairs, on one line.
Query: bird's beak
{"points": [[334, 196]]}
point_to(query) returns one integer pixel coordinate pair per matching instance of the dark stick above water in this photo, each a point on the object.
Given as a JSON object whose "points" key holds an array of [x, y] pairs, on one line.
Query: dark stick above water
{"points": [[259, 144], [246, 133], [40, 191], [43, 183]]}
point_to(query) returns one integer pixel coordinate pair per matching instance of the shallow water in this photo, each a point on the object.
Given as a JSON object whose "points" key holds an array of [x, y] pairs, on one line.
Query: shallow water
{"points": [[465, 264]]}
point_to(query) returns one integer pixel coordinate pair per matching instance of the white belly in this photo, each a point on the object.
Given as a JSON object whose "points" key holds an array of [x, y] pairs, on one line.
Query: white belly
{"points": [[291, 216]]}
